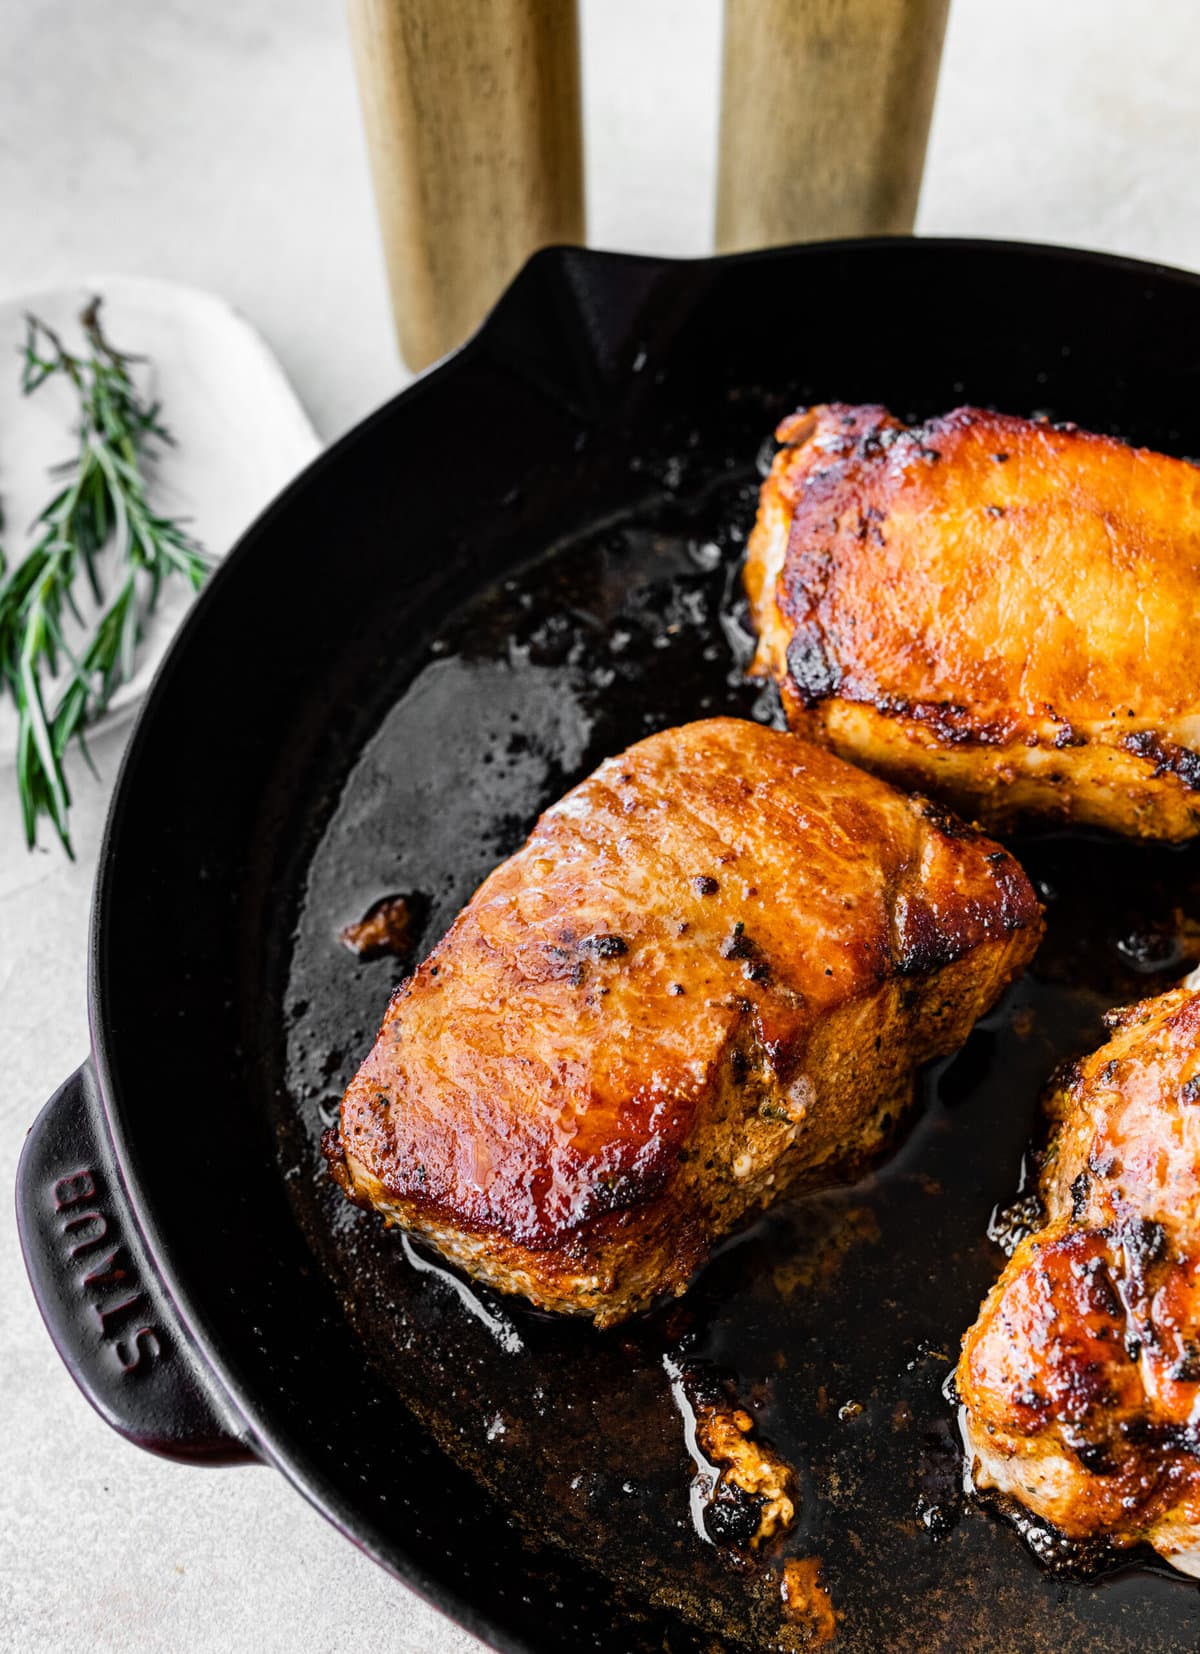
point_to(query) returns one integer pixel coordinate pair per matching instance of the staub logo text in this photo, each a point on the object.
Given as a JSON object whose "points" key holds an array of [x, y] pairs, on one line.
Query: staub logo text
{"points": [[100, 1264]]}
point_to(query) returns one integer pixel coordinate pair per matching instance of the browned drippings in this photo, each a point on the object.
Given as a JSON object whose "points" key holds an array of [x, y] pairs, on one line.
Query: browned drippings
{"points": [[807, 1605], [389, 926], [727, 1438], [852, 1226], [741, 1490]]}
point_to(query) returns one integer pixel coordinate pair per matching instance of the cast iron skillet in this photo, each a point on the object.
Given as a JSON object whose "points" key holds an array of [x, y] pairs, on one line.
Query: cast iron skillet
{"points": [[518, 566]]}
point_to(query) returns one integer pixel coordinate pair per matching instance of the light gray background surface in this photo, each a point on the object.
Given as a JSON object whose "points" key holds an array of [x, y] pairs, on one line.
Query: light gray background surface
{"points": [[219, 143]]}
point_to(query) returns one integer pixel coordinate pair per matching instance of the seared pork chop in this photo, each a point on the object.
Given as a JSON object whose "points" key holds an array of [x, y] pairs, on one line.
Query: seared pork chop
{"points": [[1080, 1381], [1001, 611], [709, 975]]}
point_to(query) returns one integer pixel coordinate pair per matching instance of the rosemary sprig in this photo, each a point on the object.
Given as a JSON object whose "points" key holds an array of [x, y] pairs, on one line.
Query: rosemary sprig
{"points": [[103, 502]]}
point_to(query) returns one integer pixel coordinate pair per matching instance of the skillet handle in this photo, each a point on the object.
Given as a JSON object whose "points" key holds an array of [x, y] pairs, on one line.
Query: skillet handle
{"points": [[110, 1317]]}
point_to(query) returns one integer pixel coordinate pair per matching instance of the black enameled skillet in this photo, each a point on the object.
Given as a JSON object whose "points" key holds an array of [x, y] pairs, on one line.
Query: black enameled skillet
{"points": [[521, 564]]}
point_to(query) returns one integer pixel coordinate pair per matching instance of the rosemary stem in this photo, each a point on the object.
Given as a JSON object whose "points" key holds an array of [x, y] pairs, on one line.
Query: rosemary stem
{"points": [[104, 506]]}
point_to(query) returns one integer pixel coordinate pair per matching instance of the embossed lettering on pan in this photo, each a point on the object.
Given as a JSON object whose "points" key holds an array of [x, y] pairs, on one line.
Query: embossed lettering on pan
{"points": [[107, 1281]]}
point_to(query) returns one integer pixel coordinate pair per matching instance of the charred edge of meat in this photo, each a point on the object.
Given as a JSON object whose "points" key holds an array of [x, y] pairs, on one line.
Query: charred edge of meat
{"points": [[1144, 1243], [953, 827], [812, 673], [927, 944], [1069, 737], [604, 947], [950, 722], [1167, 758], [737, 945], [1081, 1190], [1187, 1366], [1067, 1074], [334, 1151], [926, 947], [1061, 1556]]}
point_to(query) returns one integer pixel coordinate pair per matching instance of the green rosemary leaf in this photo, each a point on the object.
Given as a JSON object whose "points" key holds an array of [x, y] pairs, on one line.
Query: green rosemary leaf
{"points": [[103, 505]]}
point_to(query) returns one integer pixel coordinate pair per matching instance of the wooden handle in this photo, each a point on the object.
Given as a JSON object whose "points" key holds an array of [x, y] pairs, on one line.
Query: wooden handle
{"points": [[825, 108], [473, 124]]}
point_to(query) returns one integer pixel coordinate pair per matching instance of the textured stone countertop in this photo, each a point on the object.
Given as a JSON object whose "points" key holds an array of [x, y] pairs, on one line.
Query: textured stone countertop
{"points": [[220, 145]]}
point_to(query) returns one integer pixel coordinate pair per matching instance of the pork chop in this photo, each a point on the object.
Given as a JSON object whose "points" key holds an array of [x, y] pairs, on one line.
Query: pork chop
{"points": [[707, 977]]}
